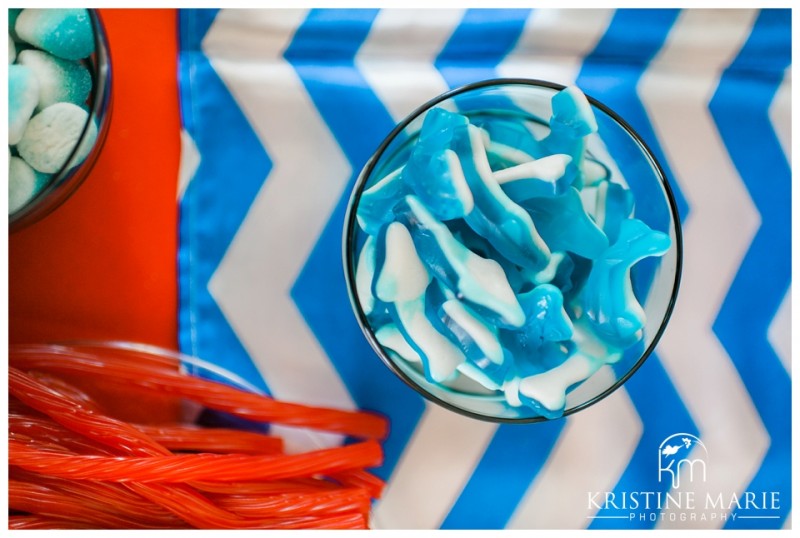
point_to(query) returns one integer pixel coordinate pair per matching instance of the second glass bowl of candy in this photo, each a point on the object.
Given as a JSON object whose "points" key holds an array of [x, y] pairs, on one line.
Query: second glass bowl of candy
{"points": [[512, 250], [59, 106]]}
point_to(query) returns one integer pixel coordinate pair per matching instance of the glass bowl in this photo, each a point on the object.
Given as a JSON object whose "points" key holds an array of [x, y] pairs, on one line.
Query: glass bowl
{"points": [[628, 161], [64, 182]]}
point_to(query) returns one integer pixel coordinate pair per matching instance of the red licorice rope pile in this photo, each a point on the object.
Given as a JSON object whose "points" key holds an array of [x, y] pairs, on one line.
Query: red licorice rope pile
{"points": [[74, 465]]}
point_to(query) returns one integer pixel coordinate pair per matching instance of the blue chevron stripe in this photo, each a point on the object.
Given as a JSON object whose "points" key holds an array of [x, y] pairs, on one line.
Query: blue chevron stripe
{"points": [[213, 207], [358, 121], [663, 414], [511, 462], [516, 453], [633, 38], [740, 108], [481, 40], [631, 41]]}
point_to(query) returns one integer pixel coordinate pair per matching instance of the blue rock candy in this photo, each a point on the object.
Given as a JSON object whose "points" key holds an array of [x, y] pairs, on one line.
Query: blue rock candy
{"points": [[66, 33], [608, 300], [59, 80], [23, 95], [23, 184], [564, 224], [546, 177], [478, 281], [376, 202], [495, 216], [13, 15], [614, 204]]}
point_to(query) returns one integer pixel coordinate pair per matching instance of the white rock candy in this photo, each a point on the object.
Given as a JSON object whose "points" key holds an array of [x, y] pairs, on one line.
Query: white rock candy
{"points": [[59, 80], [23, 96], [53, 133], [23, 183]]}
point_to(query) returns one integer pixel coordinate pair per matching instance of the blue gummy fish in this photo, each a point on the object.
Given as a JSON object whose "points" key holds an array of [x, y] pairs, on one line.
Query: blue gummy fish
{"points": [[571, 122], [614, 204], [485, 358], [546, 177], [495, 216], [564, 224], [376, 202], [433, 170], [478, 281], [609, 303]]}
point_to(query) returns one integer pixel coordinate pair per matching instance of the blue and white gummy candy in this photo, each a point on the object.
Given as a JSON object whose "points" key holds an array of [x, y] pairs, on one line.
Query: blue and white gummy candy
{"points": [[503, 258]]}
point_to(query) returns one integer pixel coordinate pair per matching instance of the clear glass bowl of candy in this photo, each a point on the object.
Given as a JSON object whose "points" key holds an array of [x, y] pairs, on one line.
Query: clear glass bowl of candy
{"points": [[512, 250], [59, 104]]}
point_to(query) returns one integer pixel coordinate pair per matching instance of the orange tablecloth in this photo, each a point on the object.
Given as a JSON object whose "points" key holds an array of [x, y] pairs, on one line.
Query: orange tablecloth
{"points": [[103, 265]]}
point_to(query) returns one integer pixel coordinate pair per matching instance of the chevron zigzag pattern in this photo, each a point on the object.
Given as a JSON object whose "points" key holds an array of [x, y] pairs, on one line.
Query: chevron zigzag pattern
{"points": [[282, 108]]}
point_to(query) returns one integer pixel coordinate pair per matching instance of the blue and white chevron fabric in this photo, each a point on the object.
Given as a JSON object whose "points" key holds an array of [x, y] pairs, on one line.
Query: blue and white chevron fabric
{"points": [[282, 108]]}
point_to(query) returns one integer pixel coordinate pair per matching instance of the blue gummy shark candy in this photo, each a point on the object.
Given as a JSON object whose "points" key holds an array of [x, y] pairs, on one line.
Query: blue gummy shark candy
{"points": [[611, 307], [564, 224], [614, 204], [376, 203], [434, 171], [485, 358], [478, 281], [546, 177], [571, 122], [495, 216]]}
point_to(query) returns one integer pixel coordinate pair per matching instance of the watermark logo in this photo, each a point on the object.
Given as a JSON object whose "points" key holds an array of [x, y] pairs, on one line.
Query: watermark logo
{"points": [[683, 494], [682, 451]]}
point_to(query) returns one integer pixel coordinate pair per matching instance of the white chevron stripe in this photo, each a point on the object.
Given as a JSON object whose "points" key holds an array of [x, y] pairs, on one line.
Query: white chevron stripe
{"points": [[552, 47], [554, 43], [445, 447], [591, 454], [780, 113], [309, 173], [404, 77], [780, 331], [190, 160], [676, 91], [433, 470]]}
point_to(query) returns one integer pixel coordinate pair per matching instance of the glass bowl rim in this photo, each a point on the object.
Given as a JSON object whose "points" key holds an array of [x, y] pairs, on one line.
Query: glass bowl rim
{"points": [[70, 176], [350, 224]]}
